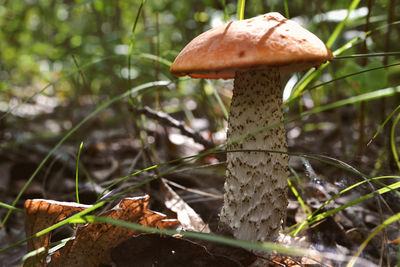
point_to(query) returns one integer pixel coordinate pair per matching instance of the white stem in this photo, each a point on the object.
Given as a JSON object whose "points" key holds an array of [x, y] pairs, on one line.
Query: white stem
{"points": [[255, 197]]}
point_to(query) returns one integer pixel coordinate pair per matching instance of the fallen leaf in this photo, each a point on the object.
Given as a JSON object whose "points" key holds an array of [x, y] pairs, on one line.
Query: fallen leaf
{"points": [[93, 242], [188, 218], [41, 214]]}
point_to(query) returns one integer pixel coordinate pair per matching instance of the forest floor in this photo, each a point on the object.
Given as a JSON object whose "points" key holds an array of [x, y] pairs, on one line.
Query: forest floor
{"points": [[111, 151]]}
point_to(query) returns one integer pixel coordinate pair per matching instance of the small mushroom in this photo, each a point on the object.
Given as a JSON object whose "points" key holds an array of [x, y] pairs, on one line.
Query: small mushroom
{"points": [[255, 52]]}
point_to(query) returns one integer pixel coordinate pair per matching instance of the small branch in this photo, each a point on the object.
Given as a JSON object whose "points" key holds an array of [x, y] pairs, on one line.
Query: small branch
{"points": [[167, 120]]}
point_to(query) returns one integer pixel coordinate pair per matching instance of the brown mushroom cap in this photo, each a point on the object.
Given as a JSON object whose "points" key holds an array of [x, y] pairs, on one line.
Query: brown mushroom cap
{"points": [[268, 40]]}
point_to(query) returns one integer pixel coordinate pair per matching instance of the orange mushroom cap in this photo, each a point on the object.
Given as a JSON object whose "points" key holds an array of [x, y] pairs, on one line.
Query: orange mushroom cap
{"points": [[268, 40]]}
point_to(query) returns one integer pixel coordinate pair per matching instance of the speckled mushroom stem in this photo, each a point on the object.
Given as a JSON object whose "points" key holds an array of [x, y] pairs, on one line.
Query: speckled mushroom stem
{"points": [[255, 197]]}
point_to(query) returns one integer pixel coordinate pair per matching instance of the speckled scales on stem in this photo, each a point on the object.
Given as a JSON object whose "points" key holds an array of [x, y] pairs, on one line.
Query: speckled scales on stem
{"points": [[255, 200]]}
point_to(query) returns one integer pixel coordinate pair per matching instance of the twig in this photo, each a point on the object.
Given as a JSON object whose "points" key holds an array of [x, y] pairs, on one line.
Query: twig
{"points": [[167, 120]]}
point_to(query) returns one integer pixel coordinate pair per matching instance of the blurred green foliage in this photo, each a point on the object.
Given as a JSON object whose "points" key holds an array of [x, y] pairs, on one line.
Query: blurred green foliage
{"points": [[39, 40], [367, 81]]}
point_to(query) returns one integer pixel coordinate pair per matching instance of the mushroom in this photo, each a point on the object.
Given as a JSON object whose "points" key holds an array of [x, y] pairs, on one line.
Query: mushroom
{"points": [[255, 52]]}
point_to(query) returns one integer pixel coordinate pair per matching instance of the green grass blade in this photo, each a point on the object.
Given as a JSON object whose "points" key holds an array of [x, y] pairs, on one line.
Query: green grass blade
{"points": [[156, 58], [53, 247], [379, 54], [298, 197], [393, 140], [127, 177], [77, 173], [285, 4], [218, 98], [341, 25], [272, 6], [240, 9], [383, 125], [226, 14], [131, 41], [9, 207]]}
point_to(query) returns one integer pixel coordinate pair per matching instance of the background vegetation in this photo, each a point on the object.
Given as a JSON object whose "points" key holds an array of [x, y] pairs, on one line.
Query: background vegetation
{"points": [[66, 68]]}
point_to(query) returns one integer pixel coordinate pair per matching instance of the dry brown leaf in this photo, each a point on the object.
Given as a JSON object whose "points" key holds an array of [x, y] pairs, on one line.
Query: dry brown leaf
{"points": [[188, 218], [40, 214], [93, 242]]}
